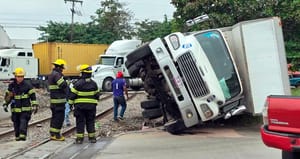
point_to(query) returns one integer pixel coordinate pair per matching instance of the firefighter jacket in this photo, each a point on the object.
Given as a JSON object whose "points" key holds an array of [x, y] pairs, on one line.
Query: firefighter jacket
{"points": [[84, 93], [22, 97], [58, 87]]}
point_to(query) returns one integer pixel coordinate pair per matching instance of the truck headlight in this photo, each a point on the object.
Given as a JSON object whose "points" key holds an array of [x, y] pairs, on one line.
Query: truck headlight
{"points": [[206, 110], [174, 41], [189, 114]]}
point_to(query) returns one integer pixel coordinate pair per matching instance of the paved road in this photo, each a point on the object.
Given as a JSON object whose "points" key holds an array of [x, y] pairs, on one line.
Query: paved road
{"points": [[204, 143]]}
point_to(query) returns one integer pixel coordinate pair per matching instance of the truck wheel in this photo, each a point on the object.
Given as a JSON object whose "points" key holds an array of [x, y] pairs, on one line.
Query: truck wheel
{"points": [[135, 68], [137, 55], [106, 86], [150, 104], [152, 113], [175, 127], [290, 155]]}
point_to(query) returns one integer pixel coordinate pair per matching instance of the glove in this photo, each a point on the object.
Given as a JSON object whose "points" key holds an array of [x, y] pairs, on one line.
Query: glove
{"points": [[35, 108], [72, 107], [5, 107]]}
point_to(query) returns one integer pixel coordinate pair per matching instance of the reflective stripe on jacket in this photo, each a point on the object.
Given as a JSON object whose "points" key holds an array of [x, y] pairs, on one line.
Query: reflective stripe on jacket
{"points": [[23, 97], [57, 86], [84, 92]]}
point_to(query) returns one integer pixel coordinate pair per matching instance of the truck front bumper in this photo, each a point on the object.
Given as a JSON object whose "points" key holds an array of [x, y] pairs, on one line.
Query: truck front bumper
{"points": [[280, 140]]}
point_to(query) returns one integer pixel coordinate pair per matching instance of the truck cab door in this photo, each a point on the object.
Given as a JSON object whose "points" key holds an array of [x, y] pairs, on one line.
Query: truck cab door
{"points": [[120, 66]]}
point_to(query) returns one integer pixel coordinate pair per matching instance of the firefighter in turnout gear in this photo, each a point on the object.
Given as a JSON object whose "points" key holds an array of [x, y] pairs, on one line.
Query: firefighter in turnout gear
{"points": [[58, 89], [84, 96], [21, 97]]}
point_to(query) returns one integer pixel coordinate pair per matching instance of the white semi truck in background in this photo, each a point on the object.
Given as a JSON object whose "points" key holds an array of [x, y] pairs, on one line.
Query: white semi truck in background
{"points": [[199, 76], [17, 57], [113, 61]]}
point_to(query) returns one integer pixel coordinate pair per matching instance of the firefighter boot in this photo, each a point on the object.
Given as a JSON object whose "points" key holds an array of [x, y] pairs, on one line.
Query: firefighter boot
{"points": [[79, 140], [57, 138], [92, 140]]}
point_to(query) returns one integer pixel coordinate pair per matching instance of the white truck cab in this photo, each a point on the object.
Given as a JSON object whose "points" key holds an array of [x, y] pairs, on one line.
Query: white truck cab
{"points": [[113, 61], [199, 76], [13, 58]]}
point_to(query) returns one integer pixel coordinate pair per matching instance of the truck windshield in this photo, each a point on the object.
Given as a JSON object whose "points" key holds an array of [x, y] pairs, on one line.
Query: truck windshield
{"points": [[217, 53], [105, 60]]}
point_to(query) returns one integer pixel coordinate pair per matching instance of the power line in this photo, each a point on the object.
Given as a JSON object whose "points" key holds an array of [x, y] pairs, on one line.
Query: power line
{"points": [[73, 12]]}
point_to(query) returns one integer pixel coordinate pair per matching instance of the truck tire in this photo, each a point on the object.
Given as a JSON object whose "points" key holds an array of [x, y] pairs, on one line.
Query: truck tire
{"points": [[106, 86], [175, 127], [137, 55], [134, 69], [290, 155], [150, 104], [152, 113]]}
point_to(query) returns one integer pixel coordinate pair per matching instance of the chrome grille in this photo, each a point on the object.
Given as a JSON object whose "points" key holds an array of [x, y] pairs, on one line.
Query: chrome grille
{"points": [[192, 75]]}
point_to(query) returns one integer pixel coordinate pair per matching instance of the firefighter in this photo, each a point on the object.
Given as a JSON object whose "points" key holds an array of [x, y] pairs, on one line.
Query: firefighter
{"points": [[84, 96], [21, 97], [58, 89]]}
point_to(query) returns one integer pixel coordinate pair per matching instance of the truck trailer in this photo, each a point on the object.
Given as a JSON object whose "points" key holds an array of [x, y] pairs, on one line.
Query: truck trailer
{"points": [[37, 62], [205, 75], [73, 54]]}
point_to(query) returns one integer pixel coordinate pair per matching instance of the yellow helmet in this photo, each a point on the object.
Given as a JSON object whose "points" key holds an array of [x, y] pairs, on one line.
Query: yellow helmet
{"points": [[19, 72], [60, 62], [85, 68]]}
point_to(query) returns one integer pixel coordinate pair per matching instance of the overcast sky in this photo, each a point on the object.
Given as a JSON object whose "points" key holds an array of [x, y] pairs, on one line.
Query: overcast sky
{"points": [[19, 16]]}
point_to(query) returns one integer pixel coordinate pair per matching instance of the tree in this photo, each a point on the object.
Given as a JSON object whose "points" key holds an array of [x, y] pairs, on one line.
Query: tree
{"points": [[149, 30], [228, 12], [113, 20], [110, 23]]}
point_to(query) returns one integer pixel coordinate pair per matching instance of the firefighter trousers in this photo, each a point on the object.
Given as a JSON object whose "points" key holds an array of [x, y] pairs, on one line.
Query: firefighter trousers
{"points": [[57, 120], [21, 121], [85, 117]]}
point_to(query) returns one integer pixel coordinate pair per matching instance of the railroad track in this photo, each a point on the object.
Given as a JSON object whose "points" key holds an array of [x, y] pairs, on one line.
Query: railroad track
{"points": [[66, 132], [10, 131]]}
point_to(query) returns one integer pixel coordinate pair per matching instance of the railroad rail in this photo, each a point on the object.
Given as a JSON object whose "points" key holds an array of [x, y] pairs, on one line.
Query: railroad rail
{"points": [[44, 120], [67, 132]]}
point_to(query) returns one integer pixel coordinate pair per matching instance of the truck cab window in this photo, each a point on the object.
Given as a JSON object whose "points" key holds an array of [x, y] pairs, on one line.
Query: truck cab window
{"points": [[110, 61], [29, 54], [21, 54], [119, 61], [217, 53], [4, 62]]}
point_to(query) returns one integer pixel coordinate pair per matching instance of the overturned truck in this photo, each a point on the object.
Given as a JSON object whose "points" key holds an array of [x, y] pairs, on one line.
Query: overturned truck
{"points": [[199, 76]]}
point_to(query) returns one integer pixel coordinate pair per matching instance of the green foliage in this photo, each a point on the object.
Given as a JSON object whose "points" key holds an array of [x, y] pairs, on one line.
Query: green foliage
{"points": [[149, 30], [110, 23], [295, 91], [229, 12]]}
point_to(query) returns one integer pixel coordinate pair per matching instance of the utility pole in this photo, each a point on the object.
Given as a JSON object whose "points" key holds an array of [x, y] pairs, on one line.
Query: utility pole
{"points": [[73, 11]]}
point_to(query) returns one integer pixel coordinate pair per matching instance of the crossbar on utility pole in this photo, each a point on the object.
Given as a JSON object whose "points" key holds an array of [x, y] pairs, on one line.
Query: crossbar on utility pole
{"points": [[73, 11]]}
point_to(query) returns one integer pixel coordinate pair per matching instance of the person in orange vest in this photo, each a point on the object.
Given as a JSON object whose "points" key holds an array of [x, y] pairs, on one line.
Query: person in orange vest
{"points": [[22, 99]]}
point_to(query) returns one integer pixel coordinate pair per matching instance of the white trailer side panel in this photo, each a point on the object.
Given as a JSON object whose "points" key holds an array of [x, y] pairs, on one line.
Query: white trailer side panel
{"points": [[260, 55]]}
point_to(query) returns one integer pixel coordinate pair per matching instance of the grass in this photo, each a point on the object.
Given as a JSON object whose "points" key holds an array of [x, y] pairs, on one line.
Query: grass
{"points": [[295, 91]]}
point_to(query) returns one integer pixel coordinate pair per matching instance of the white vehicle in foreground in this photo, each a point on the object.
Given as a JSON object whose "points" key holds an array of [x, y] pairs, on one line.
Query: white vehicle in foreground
{"points": [[205, 75]]}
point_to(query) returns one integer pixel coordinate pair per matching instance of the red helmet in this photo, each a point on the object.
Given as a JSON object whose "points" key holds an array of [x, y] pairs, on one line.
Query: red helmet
{"points": [[119, 74]]}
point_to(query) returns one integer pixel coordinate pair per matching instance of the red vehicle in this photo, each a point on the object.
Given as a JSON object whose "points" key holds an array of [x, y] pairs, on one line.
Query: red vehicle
{"points": [[281, 128]]}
